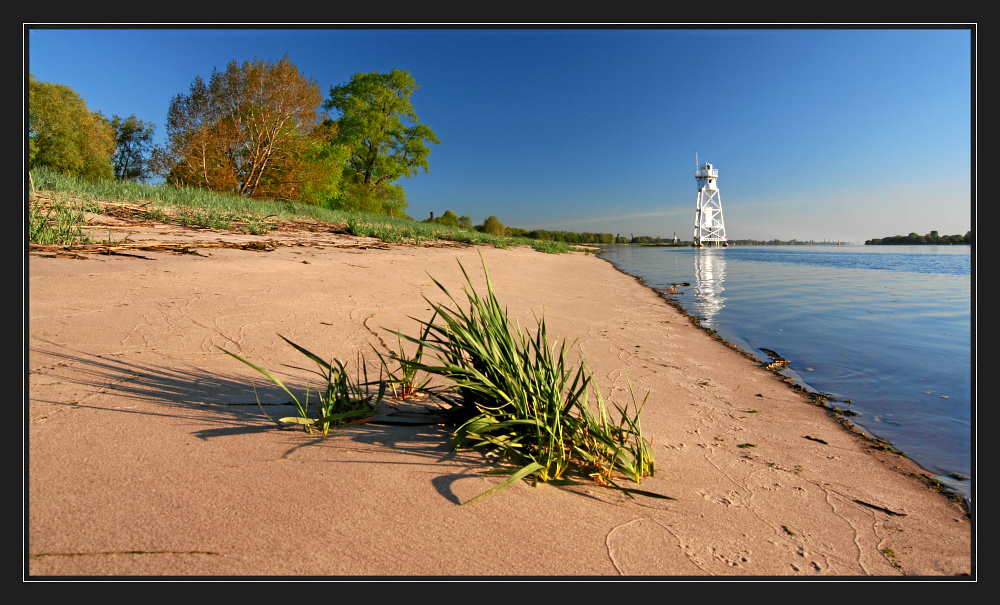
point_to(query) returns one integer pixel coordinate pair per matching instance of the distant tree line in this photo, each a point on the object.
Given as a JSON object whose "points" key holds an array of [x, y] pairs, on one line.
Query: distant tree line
{"points": [[653, 241], [494, 226], [569, 237], [491, 225], [932, 238], [779, 242], [449, 218]]}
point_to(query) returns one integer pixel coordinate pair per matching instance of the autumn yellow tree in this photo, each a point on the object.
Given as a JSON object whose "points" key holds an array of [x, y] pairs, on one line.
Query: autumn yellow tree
{"points": [[254, 130]]}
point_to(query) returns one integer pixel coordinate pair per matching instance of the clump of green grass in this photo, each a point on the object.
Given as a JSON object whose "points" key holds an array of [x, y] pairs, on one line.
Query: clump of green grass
{"points": [[342, 402], [524, 402], [59, 222], [550, 246], [519, 398]]}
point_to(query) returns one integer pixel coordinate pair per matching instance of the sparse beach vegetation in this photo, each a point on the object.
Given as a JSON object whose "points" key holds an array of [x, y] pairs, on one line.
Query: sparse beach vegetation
{"points": [[58, 202], [525, 403], [341, 402], [57, 222], [517, 397]]}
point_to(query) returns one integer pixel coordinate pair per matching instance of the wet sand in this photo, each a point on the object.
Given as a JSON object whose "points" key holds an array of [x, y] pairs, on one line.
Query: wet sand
{"points": [[148, 456]]}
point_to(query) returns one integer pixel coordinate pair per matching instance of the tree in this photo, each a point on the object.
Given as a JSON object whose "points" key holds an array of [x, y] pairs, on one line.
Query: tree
{"points": [[250, 131], [322, 165], [384, 136], [66, 136], [134, 140], [493, 226]]}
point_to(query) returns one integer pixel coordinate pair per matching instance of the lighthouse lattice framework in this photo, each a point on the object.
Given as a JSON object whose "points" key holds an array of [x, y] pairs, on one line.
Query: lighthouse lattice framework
{"points": [[709, 228]]}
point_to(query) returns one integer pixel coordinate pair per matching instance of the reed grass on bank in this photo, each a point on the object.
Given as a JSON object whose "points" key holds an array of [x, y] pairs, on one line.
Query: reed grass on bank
{"points": [[191, 206], [58, 222]]}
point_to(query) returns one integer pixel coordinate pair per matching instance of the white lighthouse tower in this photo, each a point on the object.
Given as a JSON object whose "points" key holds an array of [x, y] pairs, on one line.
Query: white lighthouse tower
{"points": [[708, 225]]}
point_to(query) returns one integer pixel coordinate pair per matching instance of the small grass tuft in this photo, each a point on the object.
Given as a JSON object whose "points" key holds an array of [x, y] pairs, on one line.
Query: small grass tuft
{"points": [[341, 403], [403, 380]]}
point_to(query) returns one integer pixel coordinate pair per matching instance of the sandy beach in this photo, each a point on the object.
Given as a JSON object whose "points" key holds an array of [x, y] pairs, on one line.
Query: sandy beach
{"points": [[146, 454]]}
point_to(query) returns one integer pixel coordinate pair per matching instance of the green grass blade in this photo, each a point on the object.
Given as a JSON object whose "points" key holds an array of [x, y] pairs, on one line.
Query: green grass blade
{"points": [[530, 469], [273, 379], [323, 364]]}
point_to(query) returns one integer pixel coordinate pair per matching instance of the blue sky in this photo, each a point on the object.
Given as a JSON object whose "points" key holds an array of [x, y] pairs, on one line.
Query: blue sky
{"points": [[843, 134]]}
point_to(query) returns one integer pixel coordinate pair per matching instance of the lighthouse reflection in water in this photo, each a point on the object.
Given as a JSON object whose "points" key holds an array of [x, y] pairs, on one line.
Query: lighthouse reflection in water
{"points": [[709, 274], [888, 328]]}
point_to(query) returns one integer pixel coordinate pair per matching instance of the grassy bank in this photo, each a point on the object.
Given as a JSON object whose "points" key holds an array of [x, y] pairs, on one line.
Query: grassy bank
{"points": [[59, 219]]}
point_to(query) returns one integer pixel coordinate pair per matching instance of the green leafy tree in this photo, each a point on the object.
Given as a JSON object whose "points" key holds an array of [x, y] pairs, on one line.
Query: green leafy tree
{"points": [[358, 197], [133, 143], [493, 226], [252, 131], [321, 168], [385, 138], [66, 136]]}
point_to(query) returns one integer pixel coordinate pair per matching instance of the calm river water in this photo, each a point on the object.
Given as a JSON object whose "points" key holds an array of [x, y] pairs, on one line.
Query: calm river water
{"points": [[886, 328]]}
